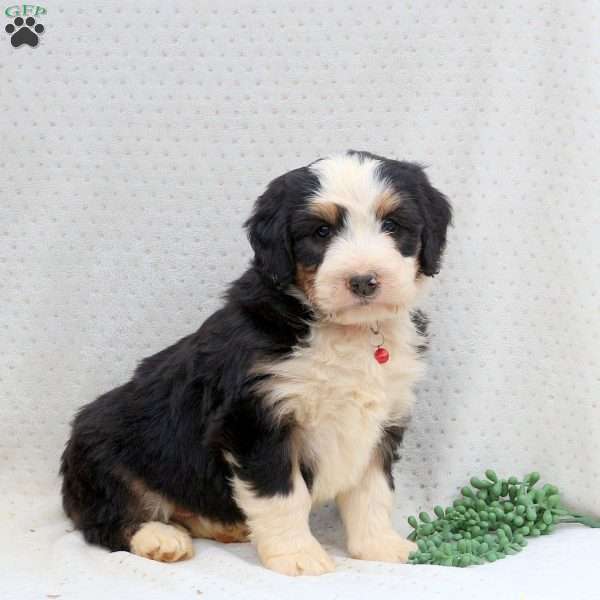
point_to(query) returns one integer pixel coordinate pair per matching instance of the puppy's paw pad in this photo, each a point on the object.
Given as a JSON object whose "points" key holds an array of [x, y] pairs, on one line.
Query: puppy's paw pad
{"points": [[389, 547], [307, 561], [162, 542]]}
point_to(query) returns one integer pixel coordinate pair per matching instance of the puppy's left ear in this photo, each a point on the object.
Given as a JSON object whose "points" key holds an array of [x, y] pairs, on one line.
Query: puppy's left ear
{"points": [[437, 215], [269, 235]]}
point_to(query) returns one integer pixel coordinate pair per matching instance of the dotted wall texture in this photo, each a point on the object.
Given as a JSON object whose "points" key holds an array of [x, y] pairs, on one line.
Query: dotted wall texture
{"points": [[135, 139]]}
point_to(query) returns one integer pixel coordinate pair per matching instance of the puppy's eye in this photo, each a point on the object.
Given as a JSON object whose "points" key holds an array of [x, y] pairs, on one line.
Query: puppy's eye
{"points": [[389, 226], [324, 231]]}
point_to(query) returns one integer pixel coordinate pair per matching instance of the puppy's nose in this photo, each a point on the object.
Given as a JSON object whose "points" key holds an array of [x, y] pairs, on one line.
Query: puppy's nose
{"points": [[363, 285]]}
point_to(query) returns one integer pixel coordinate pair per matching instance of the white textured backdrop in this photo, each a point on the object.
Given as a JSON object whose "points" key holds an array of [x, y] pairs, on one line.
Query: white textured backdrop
{"points": [[134, 141]]}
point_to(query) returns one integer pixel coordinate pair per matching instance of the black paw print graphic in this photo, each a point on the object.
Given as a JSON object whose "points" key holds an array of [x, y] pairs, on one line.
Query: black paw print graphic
{"points": [[24, 34]]}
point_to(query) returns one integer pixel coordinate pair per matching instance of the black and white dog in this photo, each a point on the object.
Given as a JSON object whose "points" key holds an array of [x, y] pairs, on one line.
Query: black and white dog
{"points": [[292, 394]]}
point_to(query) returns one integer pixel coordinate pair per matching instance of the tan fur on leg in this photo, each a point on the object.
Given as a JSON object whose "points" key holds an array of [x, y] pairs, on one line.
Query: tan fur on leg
{"points": [[366, 512], [159, 541], [200, 527], [279, 528]]}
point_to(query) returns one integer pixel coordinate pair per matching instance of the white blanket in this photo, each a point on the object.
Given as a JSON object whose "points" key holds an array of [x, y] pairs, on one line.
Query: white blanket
{"points": [[135, 138]]}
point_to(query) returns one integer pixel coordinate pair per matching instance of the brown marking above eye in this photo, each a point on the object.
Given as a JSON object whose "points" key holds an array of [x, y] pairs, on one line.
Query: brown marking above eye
{"points": [[305, 280], [328, 211], [387, 203]]}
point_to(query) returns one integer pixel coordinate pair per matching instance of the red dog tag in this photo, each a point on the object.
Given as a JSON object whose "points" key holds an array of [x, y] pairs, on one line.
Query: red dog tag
{"points": [[381, 355]]}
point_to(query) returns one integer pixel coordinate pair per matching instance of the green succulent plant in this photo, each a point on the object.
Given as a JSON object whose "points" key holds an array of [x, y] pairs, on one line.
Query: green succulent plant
{"points": [[491, 520]]}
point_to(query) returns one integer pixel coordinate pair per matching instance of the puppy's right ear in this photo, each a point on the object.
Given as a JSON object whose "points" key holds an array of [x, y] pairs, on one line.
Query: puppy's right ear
{"points": [[269, 235]]}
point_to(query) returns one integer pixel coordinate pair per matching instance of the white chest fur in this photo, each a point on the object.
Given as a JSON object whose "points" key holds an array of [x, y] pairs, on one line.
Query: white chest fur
{"points": [[342, 398]]}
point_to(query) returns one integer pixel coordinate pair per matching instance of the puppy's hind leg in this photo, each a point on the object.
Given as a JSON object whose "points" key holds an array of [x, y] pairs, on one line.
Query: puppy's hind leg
{"points": [[115, 511], [162, 541], [155, 538], [101, 511], [127, 523]]}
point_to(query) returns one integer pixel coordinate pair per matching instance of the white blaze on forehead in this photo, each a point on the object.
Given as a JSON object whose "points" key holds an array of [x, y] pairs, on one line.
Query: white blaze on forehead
{"points": [[351, 182]]}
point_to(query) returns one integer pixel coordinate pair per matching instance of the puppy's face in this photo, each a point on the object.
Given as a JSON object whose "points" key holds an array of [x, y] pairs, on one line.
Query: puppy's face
{"points": [[353, 234]]}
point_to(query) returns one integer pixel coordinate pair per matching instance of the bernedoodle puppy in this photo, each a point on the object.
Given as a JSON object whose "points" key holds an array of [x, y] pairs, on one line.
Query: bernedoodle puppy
{"points": [[292, 394]]}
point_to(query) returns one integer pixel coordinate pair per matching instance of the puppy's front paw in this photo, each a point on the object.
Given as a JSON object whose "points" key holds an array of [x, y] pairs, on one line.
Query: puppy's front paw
{"points": [[387, 547], [310, 559], [163, 542]]}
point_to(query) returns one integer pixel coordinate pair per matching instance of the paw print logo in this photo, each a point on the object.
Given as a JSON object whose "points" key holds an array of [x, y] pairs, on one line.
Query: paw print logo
{"points": [[24, 32]]}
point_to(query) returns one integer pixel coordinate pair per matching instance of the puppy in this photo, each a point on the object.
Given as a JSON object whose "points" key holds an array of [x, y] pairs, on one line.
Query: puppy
{"points": [[294, 393]]}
